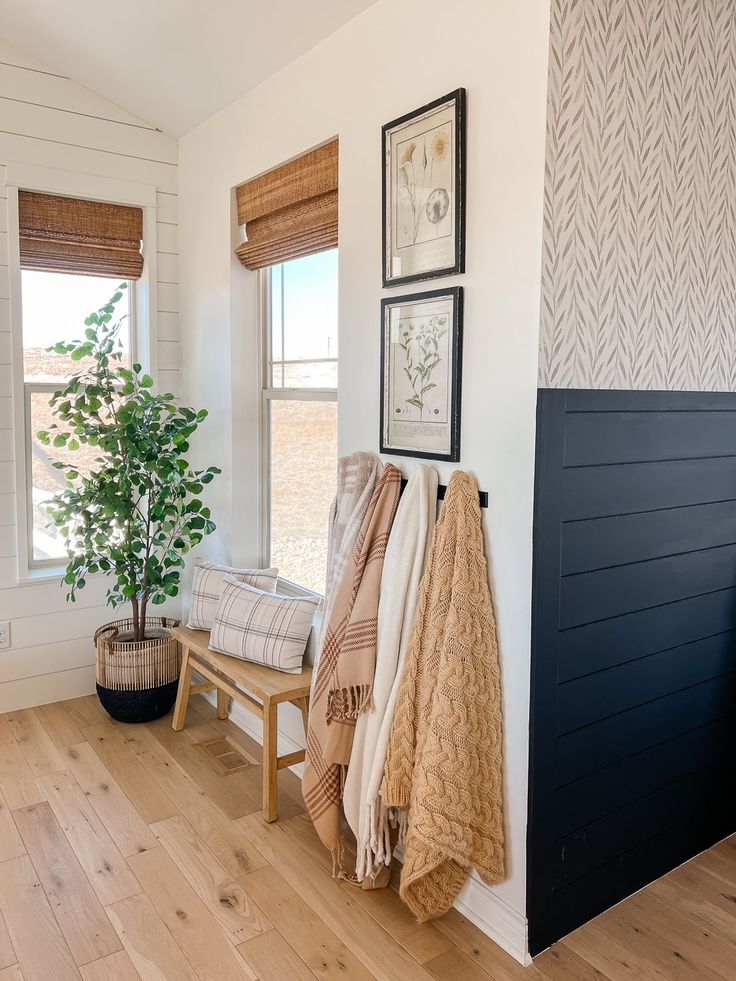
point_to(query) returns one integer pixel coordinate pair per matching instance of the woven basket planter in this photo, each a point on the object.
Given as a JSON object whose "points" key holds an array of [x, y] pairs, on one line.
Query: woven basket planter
{"points": [[137, 680]]}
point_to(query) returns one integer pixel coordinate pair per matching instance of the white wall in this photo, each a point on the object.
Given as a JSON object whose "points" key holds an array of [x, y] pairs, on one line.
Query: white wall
{"points": [[49, 121], [393, 58]]}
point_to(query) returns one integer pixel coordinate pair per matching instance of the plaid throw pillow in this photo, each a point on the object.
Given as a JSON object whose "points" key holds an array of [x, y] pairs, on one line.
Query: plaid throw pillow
{"points": [[208, 582], [262, 627]]}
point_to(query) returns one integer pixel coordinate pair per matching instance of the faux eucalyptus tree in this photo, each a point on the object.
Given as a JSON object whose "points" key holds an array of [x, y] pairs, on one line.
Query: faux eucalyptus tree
{"points": [[133, 512]]}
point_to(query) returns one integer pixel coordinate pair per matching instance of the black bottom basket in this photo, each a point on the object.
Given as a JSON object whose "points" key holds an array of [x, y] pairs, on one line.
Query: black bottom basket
{"points": [[137, 680], [138, 706]]}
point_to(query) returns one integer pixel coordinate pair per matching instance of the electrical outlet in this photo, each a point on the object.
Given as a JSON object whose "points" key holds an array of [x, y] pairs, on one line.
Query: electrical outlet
{"points": [[4, 634]]}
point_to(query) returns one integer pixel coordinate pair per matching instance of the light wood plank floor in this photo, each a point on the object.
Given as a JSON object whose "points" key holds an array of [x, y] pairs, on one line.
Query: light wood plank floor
{"points": [[125, 854]]}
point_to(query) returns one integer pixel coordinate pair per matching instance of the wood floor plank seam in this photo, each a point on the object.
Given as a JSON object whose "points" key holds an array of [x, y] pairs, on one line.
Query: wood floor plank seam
{"points": [[73, 901], [105, 867], [8, 956], [366, 938], [222, 894], [148, 942], [270, 947], [12, 973], [421, 940], [324, 953], [39, 944]]}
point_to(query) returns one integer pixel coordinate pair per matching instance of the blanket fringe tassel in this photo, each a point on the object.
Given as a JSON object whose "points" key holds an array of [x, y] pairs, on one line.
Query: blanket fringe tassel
{"points": [[346, 704]]}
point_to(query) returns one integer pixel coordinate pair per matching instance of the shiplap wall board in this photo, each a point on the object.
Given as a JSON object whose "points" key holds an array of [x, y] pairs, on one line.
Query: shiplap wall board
{"points": [[639, 253], [50, 121], [634, 661]]}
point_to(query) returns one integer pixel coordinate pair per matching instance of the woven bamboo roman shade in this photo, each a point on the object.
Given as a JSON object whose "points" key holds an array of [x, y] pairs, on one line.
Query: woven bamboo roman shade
{"points": [[290, 211], [71, 235]]}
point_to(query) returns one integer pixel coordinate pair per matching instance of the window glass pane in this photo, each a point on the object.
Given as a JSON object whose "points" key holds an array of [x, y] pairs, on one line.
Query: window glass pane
{"points": [[55, 306], [304, 316], [310, 374], [310, 307], [46, 481], [303, 469]]}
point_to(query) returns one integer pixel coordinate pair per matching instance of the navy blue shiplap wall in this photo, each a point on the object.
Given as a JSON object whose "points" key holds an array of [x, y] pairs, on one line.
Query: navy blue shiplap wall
{"points": [[633, 714]]}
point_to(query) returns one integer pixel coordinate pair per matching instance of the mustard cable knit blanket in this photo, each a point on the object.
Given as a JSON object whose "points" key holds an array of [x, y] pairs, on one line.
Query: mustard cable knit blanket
{"points": [[443, 768]]}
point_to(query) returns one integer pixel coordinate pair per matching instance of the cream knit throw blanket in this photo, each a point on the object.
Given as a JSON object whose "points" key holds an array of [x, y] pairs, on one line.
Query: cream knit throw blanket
{"points": [[443, 766], [344, 685], [403, 566]]}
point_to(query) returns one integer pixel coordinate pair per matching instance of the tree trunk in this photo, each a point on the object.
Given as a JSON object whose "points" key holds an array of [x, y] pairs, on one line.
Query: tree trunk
{"points": [[136, 618], [142, 621]]}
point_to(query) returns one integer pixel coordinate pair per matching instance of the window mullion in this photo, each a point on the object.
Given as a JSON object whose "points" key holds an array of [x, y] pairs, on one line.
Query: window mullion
{"points": [[302, 394], [283, 330]]}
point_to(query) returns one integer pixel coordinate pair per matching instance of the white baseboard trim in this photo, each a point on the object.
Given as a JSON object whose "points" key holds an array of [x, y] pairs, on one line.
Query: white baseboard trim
{"points": [[492, 915], [40, 689]]}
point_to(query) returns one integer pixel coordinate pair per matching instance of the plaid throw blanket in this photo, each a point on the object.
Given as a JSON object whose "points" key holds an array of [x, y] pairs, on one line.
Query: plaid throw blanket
{"points": [[344, 684], [356, 480]]}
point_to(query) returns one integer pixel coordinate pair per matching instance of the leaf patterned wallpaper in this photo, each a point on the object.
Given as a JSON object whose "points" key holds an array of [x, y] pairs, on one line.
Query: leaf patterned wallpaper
{"points": [[639, 261]]}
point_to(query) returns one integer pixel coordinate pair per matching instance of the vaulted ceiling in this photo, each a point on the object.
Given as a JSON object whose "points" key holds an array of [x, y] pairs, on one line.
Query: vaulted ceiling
{"points": [[171, 62]]}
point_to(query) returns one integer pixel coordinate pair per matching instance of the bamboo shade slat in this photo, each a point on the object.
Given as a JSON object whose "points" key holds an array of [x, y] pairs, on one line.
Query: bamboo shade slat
{"points": [[290, 211], [72, 235]]}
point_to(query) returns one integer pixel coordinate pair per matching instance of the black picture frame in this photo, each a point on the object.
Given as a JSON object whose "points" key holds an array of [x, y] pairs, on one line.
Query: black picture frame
{"points": [[458, 97], [455, 347]]}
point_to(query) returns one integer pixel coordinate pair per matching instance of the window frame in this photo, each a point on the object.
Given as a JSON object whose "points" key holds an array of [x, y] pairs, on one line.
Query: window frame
{"points": [[271, 394], [50, 180], [29, 389]]}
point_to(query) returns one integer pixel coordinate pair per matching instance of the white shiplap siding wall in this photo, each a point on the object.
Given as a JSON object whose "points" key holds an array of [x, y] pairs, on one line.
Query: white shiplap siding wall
{"points": [[50, 121]]}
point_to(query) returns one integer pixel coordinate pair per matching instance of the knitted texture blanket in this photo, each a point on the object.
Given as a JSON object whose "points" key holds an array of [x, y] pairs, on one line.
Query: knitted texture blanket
{"points": [[443, 766], [406, 557], [344, 684]]}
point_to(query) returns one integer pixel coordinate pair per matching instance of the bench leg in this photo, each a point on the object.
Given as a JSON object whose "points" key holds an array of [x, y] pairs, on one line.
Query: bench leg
{"points": [[223, 704], [270, 763], [182, 694], [303, 704]]}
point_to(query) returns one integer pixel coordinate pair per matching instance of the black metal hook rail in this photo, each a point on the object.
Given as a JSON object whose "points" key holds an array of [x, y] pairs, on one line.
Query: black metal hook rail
{"points": [[442, 489]]}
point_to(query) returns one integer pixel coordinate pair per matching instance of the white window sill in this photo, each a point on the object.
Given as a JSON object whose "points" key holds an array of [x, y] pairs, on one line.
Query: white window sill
{"points": [[287, 588], [44, 573], [49, 573]]}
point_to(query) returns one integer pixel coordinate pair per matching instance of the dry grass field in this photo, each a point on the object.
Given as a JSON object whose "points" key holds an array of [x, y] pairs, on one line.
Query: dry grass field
{"points": [[304, 462]]}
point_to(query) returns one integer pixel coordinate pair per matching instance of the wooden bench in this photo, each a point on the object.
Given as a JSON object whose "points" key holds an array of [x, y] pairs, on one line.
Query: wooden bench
{"points": [[228, 675]]}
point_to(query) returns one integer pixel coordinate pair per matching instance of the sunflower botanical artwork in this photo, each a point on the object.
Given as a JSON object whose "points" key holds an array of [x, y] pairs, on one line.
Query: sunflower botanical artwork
{"points": [[424, 192], [422, 205], [421, 349]]}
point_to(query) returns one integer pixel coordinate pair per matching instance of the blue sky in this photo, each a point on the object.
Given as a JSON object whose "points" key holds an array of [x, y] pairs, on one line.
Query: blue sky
{"points": [[310, 307]]}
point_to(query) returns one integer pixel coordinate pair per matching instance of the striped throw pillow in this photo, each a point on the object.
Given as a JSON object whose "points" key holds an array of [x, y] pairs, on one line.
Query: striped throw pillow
{"points": [[207, 586], [265, 628]]}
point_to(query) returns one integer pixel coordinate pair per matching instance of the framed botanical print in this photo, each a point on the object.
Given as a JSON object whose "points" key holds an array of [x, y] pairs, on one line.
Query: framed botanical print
{"points": [[421, 374], [424, 192]]}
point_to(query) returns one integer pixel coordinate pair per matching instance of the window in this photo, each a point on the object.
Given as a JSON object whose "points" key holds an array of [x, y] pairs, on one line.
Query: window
{"points": [[300, 414], [54, 307]]}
